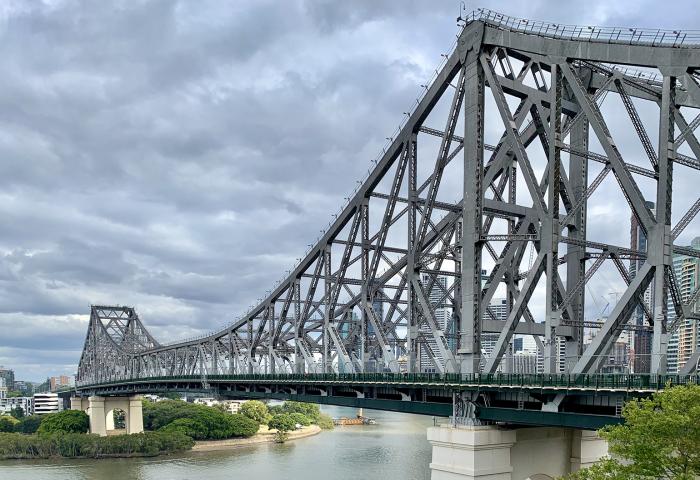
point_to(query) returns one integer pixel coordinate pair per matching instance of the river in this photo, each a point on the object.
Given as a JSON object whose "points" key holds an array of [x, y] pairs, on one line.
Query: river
{"points": [[394, 448]]}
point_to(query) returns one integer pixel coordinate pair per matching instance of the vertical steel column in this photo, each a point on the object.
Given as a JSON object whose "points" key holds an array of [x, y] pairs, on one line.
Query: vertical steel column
{"points": [[327, 310], [214, 367], [453, 341], [576, 254], [298, 361], [412, 317], [469, 349], [364, 230], [550, 224], [250, 345], [231, 356], [270, 336], [661, 243]]}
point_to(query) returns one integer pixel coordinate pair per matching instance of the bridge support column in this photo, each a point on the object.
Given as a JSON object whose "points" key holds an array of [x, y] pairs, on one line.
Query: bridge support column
{"points": [[586, 449], [96, 412], [477, 452], [496, 453], [101, 412], [135, 415]]}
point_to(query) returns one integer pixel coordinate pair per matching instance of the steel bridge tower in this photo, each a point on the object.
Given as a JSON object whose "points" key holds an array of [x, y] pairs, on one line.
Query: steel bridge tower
{"points": [[512, 125]]}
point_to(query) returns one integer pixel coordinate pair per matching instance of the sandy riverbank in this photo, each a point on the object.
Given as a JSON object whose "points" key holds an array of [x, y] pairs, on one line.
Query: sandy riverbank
{"points": [[264, 435]]}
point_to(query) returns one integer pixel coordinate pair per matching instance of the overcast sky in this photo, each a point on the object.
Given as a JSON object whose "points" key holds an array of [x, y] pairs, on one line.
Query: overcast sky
{"points": [[179, 156]]}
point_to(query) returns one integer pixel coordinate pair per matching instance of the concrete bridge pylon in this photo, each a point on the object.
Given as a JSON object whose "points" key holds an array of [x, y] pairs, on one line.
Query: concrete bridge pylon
{"points": [[101, 412], [488, 452]]}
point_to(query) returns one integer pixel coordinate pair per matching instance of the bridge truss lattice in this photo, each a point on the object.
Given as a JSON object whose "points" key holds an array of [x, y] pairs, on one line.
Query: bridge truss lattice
{"points": [[371, 294]]}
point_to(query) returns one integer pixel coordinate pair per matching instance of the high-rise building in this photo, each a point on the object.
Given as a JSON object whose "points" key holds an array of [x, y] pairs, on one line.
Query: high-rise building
{"points": [[642, 338], [524, 362], [499, 309], [686, 339], [61, 381], [443, 317], [9, 376], [618, 359], [3, 388]]}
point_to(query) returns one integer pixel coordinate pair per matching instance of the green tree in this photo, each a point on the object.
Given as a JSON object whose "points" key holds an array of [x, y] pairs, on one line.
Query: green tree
{"points": [[325, 422], [28, 424], [189, 426], [14, 394], [119, 417], [255, 410], [310, 410], [17, 412], [283, 423], [241, 426], [203, 422], [7, 423], [300, 418], [67, 421], [660, 439]]}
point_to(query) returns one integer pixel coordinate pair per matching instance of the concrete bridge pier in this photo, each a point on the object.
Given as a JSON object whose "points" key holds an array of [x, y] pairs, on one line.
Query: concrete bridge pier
{"points": [[497, 453], [101, 412]]}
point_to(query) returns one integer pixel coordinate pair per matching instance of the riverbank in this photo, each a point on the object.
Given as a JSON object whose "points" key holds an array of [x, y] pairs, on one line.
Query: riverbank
{"points": [[264, 435]]}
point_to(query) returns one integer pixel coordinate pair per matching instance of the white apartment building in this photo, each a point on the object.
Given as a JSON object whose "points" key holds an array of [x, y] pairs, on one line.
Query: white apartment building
{"points": [[232, 406], [47, 403], [9, 404]]}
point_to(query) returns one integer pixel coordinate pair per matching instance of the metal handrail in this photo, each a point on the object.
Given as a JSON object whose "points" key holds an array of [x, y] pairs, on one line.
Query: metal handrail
{"points": [[622, 35], [560, 381]]}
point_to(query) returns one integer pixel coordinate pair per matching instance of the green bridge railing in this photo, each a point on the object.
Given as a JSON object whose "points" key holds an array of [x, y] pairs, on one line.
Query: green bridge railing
{"points": [[560, 381]]}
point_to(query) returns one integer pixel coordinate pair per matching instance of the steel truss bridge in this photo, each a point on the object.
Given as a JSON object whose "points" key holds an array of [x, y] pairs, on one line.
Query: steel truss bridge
{"points": [[369, 298]]}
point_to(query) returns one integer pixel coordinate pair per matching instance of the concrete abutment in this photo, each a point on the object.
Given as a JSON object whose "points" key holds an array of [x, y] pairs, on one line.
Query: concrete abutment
{"points": [[497, 453]]}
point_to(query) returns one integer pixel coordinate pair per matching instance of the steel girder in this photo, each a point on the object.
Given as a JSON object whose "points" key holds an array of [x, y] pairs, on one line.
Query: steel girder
{"points": [[371, 294]]}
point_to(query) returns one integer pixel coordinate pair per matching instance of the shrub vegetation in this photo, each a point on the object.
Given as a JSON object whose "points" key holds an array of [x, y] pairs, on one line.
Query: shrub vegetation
{"points": [[29, 424], [67, 421], [78, 445], [8, 423], [197, 421]]}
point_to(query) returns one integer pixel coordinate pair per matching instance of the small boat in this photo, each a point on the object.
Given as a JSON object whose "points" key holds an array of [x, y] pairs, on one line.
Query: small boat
{"points": [[359, 420]]}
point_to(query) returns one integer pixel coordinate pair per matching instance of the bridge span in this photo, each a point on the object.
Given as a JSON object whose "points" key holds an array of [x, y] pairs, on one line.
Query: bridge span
{"points": [[585, 401], [453, 215]]}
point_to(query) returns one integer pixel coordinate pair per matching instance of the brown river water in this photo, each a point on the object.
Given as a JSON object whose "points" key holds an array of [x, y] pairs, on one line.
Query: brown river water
{"points": [[394, 448]]}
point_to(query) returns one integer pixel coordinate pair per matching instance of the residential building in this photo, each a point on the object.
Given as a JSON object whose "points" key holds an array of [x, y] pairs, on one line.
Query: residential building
{"points": [[46, 403], [3, 388], [9, 404], [24, 387], [55, 383], [642, 338], [618, 360], [685, 340], [524, 362], [9, 376], [231, 406], [499, 308]]}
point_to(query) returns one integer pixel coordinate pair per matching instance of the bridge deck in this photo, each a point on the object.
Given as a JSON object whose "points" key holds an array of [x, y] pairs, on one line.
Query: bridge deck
{"points": [[592, 400]]}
